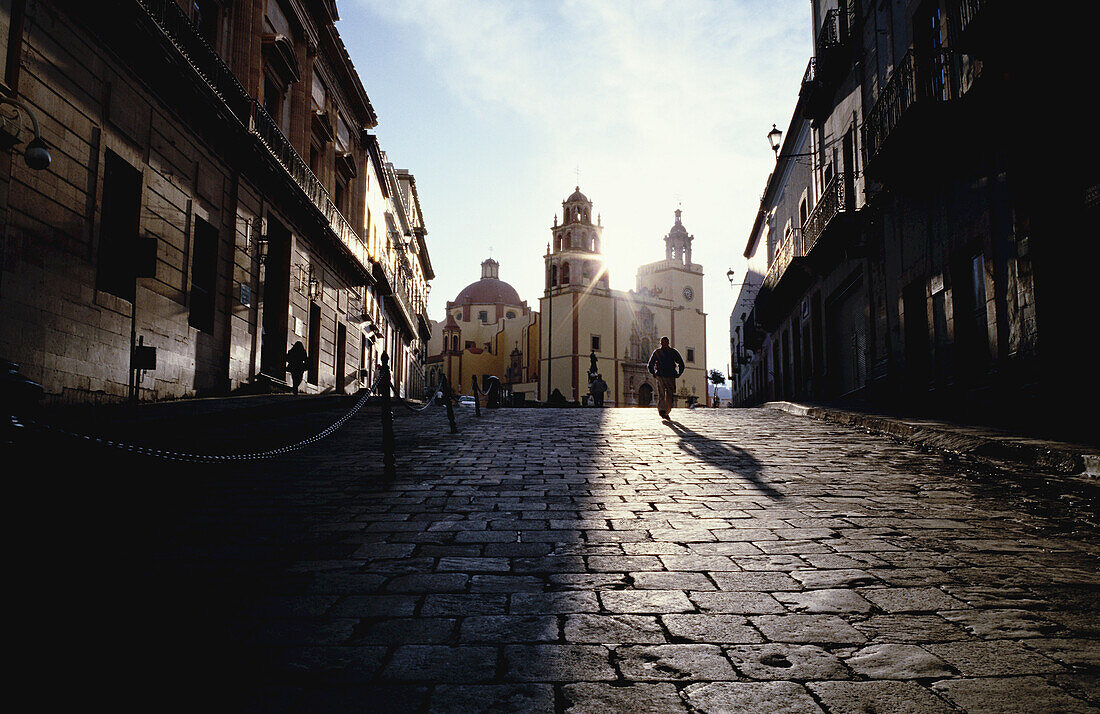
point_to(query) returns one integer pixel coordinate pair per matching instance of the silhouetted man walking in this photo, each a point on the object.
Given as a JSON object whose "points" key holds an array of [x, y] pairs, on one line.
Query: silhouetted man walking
{"points": [[666, 365]]}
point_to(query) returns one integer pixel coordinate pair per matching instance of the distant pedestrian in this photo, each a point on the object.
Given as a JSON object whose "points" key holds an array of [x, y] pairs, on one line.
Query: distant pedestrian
{"points": [[598, 389], [296, 363], [666, 365]]}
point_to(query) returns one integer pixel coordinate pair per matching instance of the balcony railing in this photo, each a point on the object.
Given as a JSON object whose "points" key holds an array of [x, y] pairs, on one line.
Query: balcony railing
{"points": [[835, 200], [935, 78], [179, 29], [789, 249], [968, 10]]}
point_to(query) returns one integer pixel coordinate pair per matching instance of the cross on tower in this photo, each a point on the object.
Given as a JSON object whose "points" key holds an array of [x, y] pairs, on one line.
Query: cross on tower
{"points": [[577, 173]]}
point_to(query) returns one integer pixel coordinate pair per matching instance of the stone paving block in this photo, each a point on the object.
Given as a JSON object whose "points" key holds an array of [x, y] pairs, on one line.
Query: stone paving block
{"points": [[645, 601], [488, 698], [1078, 653], [776, 660], [672, 581], [727, 548], [505, 583], [473, 565], [993, 658], [428, 583], [897, 662], [756, 697], [793, 547], [439, 663], [755, 581], [699, 563], [1012, 695], [742, 603], [590, 698], [1001, 624], [554, 602], [410, 630], [558, 663], [913, 629], [769, 563], [834, 578], [912, 599], [589, 581], [642, 663], [509, 628], [464, 604], [614, 629], [885, 697], [814, 629], [624, 563], [712, 628], [817, 601]]}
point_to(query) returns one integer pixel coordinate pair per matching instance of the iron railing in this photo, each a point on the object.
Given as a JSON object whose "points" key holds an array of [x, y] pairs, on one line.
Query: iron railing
{"points": [[834, 201], [837, 28], [789, 249], [968, 10], [936, 78], [179, 29]]}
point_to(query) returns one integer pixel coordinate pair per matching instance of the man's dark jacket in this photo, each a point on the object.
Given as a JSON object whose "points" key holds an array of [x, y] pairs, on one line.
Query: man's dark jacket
{"points": [[666, 362]]}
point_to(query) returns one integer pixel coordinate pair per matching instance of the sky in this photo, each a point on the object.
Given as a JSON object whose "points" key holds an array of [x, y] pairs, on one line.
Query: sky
{"points": [[501, 107]]}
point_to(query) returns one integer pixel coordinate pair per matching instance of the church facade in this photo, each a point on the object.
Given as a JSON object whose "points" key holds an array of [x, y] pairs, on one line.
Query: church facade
{"points": [[585, 322], [488, 330]]}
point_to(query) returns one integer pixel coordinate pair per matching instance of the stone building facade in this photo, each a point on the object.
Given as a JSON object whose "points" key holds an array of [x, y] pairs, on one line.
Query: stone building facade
{"points": [[583, 317], [213, 197], [932, 269]]}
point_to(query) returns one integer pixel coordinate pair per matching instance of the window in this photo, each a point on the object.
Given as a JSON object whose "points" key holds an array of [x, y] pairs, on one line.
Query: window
{"points": [[510, 315], [802, 210], [204, 271], [483, 315], [118, 231], [273, 100], [690, 355], [595, 343], [469, 344]]}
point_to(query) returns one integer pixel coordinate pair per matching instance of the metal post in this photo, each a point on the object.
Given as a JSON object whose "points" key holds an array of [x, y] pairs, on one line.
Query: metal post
{"points": [[388, 468], [448, 399], [477, 398]]}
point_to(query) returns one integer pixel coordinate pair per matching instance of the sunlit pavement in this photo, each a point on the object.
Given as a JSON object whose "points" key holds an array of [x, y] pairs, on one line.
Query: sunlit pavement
{"points": [[583, 560]]}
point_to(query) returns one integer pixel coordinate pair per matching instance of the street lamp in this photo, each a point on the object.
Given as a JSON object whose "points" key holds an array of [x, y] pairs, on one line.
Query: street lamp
{"points": [[774, 138], [729, 276], [36, 154]]}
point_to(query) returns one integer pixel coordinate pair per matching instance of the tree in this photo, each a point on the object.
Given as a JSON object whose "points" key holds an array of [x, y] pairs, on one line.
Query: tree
{"points": [[716, 377]]}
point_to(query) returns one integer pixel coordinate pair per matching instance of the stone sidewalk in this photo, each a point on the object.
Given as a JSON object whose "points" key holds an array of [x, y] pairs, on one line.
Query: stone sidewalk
{"points": [[583, 560]]}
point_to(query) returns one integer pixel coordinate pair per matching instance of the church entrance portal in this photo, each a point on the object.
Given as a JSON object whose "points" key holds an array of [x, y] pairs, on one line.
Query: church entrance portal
{"points": [[645, 395]]}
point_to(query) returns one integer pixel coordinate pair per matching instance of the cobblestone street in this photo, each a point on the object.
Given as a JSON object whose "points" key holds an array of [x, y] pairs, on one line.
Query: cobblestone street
{"points": [[588, 560]]}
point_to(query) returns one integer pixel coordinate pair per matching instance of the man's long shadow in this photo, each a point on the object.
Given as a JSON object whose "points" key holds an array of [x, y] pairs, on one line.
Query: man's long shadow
{"points": [[725, 456]]}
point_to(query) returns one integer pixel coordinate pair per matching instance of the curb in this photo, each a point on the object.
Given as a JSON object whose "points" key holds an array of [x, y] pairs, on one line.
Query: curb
{"points": [[1045, 456]]}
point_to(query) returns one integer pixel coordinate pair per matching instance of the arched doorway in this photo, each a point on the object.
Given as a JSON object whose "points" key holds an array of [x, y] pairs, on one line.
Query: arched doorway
{"points": [[645, 395]]}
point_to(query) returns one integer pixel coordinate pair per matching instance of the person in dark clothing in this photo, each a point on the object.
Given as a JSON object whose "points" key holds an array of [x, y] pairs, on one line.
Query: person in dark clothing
{"points": [[666, 365], [598, 389], [296, 363]]}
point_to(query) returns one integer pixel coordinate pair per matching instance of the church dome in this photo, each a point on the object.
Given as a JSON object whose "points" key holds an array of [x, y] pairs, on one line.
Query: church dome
{"points": [[577, 196], [489, 291], [678, 227]]}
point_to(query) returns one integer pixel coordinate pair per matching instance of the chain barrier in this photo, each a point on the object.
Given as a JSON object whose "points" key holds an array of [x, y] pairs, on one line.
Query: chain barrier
{"points": [[214, 458], [494, 381]]}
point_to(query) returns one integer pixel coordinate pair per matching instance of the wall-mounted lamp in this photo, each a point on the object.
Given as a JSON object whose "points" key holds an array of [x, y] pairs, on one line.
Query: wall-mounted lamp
{"points": [[314, 287], [36, 154], [729, 276], [774, 138]]}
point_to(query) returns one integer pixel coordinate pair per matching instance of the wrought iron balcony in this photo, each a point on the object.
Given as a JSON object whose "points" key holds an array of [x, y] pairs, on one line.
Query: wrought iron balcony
{"points": [[206, 62], [930, 80], [836, 202], [789, 249]]}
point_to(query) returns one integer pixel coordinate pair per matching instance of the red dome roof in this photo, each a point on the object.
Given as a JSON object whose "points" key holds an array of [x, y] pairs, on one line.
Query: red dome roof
{"points": [[489, 291]]}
